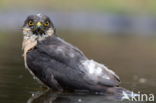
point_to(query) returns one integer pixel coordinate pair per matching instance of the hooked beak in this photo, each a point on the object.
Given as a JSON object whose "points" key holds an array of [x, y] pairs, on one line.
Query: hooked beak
{"points": [[39, 28]]}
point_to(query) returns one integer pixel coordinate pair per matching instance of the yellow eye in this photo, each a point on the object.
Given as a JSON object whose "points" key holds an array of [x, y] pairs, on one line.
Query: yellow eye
{"points": [[46, 24], [30, 23]]}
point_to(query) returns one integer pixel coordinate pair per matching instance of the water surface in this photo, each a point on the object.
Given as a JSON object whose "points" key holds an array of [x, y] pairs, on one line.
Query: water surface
{"points": [[131, 57]]}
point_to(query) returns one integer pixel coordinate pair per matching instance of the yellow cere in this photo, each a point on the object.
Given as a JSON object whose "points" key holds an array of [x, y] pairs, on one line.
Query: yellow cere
{"points": [[39, 24]]}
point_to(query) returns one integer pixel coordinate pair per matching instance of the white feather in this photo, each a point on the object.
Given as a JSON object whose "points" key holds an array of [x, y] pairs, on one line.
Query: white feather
{"points": [[96, 69]]}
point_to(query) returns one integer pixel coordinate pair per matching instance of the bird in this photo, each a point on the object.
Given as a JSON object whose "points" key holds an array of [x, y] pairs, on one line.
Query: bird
{"points": [[60, 65]]}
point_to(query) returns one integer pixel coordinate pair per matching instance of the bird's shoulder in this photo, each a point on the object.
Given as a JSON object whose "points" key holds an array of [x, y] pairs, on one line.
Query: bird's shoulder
{"points": [[56, 43]]}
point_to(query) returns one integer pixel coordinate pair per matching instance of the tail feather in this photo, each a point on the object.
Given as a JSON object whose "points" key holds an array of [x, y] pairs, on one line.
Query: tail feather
{"points": [[121, 93]]}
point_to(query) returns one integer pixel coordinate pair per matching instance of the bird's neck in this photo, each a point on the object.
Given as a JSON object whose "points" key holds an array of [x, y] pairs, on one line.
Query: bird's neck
{"points": [[30, 40]]}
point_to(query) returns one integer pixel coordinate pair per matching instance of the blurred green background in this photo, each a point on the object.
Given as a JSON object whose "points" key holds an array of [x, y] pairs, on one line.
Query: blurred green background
{"points": [[134, 6], [119, 33]]}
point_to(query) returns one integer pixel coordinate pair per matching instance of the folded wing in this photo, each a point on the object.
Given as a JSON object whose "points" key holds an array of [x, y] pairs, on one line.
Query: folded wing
{"points": [[94, 73]]}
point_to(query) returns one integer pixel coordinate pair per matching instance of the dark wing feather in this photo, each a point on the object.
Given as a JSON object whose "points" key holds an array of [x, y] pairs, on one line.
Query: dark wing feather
{"points": [[61, 51], [72, 72], [38, 64], [53, 73]]}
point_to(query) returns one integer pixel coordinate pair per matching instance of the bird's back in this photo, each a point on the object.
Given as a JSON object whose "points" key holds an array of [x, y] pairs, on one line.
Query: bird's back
{"points": [[57, 63], [56, 59]]}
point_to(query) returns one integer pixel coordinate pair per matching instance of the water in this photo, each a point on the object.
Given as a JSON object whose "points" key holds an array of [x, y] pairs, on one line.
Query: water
{"points": [[131, 57]]}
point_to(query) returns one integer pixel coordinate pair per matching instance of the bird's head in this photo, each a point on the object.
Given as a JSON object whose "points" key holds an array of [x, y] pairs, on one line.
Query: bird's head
{"points": [[38, 25]]}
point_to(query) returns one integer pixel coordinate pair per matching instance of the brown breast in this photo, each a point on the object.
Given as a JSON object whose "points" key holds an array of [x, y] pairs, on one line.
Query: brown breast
{"points": [[27, 45]]}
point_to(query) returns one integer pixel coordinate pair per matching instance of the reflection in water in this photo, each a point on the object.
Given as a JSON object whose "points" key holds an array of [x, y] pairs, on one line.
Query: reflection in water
{"points": [[57, 97]]}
